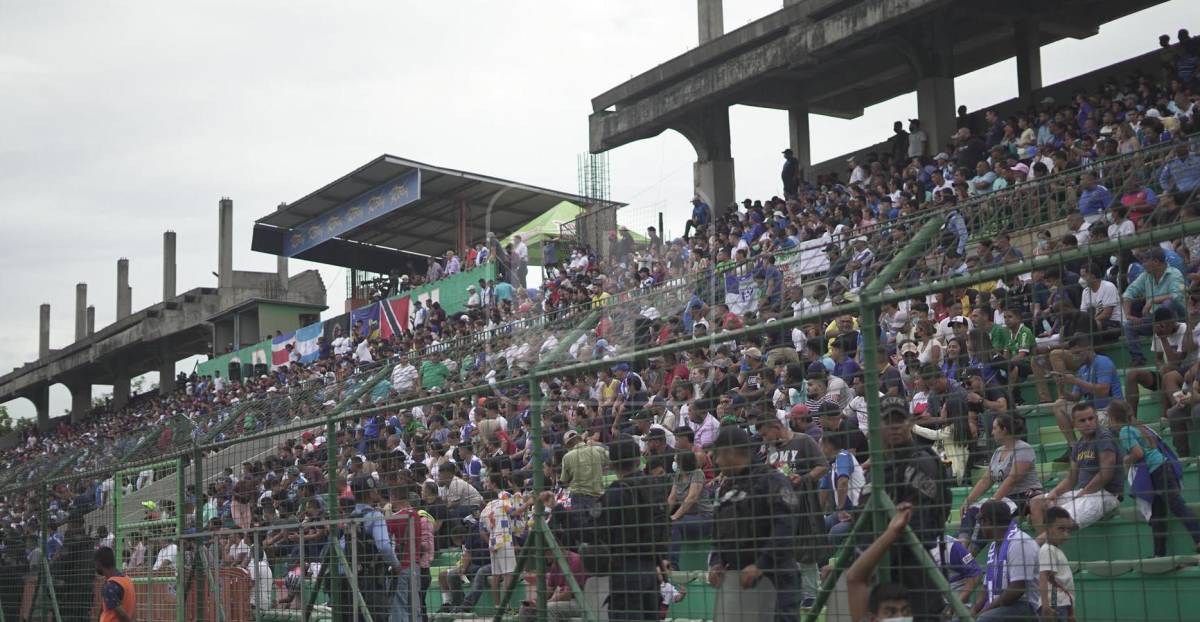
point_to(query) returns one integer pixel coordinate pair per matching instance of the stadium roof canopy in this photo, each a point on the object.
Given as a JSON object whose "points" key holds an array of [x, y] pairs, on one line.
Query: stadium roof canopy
{"points": [[390, 210]]}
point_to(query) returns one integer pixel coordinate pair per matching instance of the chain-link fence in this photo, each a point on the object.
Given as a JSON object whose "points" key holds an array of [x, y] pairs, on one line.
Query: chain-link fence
{"points": [[943, 428]]}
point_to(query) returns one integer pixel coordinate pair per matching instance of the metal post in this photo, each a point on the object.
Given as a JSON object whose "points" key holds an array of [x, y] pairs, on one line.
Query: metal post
{"points": [[358, 598], [539, 484], [255, 551], [198, 482], [352, 568], [181, 492], [118, 538], [335, 600], [303, 573]]}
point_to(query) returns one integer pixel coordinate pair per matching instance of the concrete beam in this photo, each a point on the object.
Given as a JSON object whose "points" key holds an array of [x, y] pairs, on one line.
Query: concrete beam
{"points": [[44, 331], [80, 311], [124, 292], [166, 370], [713, 172], [225, 243], [168, 265]]}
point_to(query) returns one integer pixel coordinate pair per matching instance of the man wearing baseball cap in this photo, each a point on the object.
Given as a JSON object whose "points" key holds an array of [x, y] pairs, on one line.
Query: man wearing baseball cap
{"points": [[915, 474], [583, 470]]}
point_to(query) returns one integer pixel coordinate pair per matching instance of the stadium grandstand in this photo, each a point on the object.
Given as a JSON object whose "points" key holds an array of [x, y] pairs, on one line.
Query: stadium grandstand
{"points": [[949, 385]]}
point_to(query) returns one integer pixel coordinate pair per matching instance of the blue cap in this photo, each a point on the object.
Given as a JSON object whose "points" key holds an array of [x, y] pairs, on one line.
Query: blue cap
{"points": [[621, 367]]}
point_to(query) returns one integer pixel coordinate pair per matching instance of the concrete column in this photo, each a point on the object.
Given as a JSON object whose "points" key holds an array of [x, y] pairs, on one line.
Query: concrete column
{"points": [[168, 265], [798, 135], [713, 172], [81, 399], [124, 293], [91, 320], [711, 18], [281, 263], [1029, 59], [120, 389], [166, 372], [225, 243], [44, 331], [80, 311], [41, 403], [935, 108]]}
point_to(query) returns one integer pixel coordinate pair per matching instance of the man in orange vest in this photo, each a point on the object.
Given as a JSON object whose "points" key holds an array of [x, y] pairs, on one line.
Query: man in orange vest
{"points": [[118, 599]]}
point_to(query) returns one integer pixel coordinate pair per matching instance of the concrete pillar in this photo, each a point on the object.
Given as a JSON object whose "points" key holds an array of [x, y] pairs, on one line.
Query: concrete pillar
{"points": [[798, 135], [1029, 59], [166, 373], [124, 293], [225, 243], [281, 263], [168, 265], [44, 331], [80, 311], [935, 108], [91, 320], [81, 399], [120, 389], [711, 18], [708, 131], [41, 403]]}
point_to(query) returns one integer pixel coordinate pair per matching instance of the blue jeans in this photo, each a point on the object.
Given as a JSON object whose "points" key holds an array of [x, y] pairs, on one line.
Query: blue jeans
{"points": [[690, 527], [404, 608], [477, 586], [838, 529], [1137, 327], [1019, 612]]}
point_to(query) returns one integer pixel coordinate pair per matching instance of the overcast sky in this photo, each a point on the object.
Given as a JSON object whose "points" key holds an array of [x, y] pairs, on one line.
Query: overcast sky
{"points": [[121, 120]]}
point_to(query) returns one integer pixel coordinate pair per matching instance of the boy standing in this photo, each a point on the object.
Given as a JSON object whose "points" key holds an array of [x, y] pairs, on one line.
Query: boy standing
{"points": [[1056, 584]]}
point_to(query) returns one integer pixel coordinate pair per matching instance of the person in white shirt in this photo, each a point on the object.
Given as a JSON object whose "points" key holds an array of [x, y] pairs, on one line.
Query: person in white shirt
{"points": [[362, 352], [341, 344], [1056, 582], [858, 173], [1121, 226], [404, 376], [917, 139], [166, 558], [1100, 299]]}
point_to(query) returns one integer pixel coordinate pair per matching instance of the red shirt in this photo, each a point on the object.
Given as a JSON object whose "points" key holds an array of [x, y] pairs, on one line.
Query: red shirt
{"points": [[397, 527]]}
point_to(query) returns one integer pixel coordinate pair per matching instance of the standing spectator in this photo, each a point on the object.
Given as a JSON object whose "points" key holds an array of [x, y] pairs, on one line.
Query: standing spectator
{"points": [[899, 143], [520, 261], [790, 174], [755, 525], [1056, 583], [632, 524], [1159, 285], [691, 506], [1147, 453], [1094, 198], [918, 139]]}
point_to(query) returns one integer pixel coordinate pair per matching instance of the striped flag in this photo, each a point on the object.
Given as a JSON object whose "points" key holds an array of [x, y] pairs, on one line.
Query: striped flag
{"points": [[393, 317]]}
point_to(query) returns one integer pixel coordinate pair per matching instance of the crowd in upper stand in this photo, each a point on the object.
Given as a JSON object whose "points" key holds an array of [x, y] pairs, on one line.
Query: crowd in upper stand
{"points": [[780, 416]]}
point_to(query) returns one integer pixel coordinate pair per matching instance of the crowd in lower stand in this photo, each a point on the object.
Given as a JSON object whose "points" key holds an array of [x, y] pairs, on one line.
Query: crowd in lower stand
{"points": [[755, 446]]}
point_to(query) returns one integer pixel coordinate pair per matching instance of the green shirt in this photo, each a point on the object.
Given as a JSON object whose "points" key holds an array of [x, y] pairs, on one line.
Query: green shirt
{"points": [[1130, 436], [1022, 341], [433, 375], [1146, 287], [583, 470], [1000, 337]]}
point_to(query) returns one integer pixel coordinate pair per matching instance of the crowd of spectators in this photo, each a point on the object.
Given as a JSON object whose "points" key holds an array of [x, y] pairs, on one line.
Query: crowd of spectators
{"points": [[754, 445]]}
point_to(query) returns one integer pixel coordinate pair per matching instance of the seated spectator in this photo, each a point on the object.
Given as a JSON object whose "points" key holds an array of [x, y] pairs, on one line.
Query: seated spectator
{"points": [[1096, 383], [1013, 467], [1010, 587], [1096, 480], [841, 489], [1171, 344], [1158, 286]]}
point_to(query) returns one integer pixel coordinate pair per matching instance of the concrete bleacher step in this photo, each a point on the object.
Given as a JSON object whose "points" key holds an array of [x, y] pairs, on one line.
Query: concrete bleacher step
{"points": [[1123, 535], [1138, 595]]}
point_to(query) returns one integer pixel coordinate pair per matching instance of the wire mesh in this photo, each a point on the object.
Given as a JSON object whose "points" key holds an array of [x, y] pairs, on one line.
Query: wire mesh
{"points": [[728, 440]]}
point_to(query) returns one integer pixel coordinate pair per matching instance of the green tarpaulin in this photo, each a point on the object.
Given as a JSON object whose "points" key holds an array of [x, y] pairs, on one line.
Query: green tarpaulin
{"points": [[550, 223]]}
